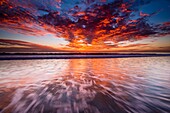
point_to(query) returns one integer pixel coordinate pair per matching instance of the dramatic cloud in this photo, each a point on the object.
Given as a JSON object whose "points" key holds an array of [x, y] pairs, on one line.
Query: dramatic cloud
{"points": [[21, 46], [84, 23]]}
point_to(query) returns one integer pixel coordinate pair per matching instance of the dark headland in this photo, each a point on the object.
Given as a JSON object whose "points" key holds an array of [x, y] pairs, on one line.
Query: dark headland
{"points": [[22, 56]]}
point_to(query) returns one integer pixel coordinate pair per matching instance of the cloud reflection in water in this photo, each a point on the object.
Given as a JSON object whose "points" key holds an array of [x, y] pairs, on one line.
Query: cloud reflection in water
{"points": [[85, 85]]}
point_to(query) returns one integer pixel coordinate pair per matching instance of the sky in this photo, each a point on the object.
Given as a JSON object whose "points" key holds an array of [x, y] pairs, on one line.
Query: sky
{"points": [[84, 26]]}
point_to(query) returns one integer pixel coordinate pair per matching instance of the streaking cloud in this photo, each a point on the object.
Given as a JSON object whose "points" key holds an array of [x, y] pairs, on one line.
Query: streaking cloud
{"points": [[85, 24], [21, 46]]}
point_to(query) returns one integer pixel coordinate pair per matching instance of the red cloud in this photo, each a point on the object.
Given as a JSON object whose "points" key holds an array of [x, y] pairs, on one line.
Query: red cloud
{"points": [[94, 24]]}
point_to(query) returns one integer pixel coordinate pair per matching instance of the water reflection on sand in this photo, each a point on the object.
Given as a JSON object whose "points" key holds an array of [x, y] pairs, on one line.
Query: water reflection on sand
{"points": [[134, 85]]}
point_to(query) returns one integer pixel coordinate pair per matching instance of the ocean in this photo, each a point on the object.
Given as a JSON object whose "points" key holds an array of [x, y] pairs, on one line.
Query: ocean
{"points": [[103, 85]]}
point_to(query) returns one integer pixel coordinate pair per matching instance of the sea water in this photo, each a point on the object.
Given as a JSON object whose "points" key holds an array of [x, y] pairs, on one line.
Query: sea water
{"points": [[108, 85]]}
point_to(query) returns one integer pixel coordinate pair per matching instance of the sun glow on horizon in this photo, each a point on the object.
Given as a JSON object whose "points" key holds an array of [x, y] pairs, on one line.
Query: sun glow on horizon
{"points": [[84, 25]]}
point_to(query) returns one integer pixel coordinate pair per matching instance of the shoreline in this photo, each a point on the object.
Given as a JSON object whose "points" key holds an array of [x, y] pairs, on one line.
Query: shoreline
{"points": [[76, 56]]}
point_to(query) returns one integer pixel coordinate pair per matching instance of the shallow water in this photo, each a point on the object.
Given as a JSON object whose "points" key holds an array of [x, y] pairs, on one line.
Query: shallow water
{"points": [[120, 85]]}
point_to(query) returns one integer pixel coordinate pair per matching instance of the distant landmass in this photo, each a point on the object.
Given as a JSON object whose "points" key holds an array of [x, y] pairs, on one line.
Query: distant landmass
{"points": [[43, 55]]}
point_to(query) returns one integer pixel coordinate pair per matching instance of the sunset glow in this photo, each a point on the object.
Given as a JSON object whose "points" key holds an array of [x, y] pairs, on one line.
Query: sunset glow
{"points": [[84, 25]]}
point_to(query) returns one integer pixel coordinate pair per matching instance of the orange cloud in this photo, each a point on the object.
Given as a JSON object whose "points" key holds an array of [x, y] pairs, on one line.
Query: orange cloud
{"points": [[80, 24]]}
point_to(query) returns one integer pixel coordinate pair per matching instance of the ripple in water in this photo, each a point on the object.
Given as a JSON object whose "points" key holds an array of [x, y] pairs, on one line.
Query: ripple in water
{"points": [[127, 85]]}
